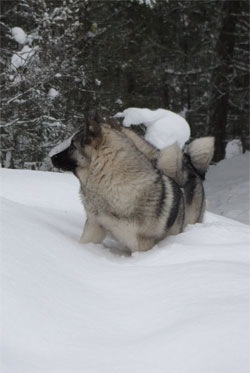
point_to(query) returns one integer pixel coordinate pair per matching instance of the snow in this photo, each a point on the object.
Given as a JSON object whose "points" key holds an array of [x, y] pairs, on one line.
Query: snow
{"points": [[233, 148], [7, 162], [53, 93], [181, 307], [163, 127], [19, 35], [149, 3], [83, 82], [61, 147], [21, 58], [227, 188], [119, 101], [183, 112], [54, 124]]}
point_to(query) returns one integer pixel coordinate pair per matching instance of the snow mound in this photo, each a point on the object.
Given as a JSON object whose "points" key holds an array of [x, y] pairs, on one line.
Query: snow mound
{"points": [[227, 188], [19, 35], [163, 127], [233, 148], [181, 307]]}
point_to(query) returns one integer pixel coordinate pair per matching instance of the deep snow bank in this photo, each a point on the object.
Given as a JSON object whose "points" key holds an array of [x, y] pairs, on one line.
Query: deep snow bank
{"points": [[182, 307], [227, 188]]}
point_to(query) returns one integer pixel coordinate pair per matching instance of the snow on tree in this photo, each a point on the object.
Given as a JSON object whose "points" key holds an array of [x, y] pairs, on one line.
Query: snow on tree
{"points": [[22, 58], [162, 55], [53, 93], [19, 35]]}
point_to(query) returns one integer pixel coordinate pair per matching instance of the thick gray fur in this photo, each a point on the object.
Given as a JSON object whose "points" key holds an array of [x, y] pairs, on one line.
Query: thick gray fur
{"points": [[187, 168], [123, 193]]}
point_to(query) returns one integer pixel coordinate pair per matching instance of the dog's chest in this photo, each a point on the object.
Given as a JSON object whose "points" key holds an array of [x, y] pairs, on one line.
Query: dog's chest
{"points": [[93, 202]]}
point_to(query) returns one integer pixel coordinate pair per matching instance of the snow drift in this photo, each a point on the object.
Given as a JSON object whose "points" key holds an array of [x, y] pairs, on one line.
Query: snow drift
{"points": [[227, 188], [182, 307]]}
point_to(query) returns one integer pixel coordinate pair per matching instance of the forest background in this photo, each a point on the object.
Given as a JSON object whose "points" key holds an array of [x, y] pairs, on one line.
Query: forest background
{"points": [[75, 56]]}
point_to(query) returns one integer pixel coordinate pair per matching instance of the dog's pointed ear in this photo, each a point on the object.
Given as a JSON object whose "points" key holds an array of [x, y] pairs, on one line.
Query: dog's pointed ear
{"points": [[92, 124], [113, 123], [94, 127], [90, 131]]}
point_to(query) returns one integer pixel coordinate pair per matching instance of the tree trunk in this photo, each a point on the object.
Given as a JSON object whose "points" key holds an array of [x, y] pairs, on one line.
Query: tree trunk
{"points": [[220, 84]]}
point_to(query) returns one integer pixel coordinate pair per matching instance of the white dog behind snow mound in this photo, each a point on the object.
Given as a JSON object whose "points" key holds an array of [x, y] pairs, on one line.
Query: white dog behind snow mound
{"points": [[163, 127]]}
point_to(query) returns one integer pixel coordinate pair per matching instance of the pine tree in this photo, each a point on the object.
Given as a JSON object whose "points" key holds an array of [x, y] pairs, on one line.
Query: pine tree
{"points": [[187, 56], [220, 79]]}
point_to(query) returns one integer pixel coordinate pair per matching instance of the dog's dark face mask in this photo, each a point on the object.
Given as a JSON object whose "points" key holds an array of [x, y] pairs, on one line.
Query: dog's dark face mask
{"points": [[74, 154], [64, 160]]}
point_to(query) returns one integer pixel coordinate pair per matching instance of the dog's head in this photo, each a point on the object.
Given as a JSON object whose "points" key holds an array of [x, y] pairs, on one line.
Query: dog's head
{"points": [[76, 151]]}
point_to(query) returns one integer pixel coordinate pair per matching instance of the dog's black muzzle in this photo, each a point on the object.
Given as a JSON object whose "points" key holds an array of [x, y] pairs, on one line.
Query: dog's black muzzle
{"points": [[63, 161]]}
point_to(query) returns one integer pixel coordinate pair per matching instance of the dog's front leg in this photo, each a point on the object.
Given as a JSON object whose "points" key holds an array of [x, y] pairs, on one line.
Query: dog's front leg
{"points": [[142, 244], [92, 232]]}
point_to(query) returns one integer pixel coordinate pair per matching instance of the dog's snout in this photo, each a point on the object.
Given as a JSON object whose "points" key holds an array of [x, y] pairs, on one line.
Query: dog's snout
{"points": [[55, 156], [54, 159], [63, 161]]}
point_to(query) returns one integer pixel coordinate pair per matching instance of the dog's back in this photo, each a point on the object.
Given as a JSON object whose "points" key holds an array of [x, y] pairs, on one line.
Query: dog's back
{"points": [[186, 168]]}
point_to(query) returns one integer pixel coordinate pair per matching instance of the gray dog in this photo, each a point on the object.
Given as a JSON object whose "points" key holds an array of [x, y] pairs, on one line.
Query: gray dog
{"points": [[123, 191]]}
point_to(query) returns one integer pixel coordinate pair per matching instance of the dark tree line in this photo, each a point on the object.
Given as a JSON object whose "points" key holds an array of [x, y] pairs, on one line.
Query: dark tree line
{"points": [[80, 55]]}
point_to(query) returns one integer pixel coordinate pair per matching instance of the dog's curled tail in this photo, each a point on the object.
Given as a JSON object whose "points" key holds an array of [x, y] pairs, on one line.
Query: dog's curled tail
{"points": [[200, 152], [177, 164]]}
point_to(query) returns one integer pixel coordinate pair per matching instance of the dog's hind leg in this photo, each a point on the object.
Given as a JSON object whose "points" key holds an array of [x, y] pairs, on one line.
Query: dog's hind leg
{"points": [[92, 231]]}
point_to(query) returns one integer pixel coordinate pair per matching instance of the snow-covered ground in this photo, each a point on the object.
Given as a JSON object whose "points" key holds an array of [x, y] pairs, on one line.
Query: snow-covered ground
{"points": [[227, 188], [182, 307]]}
